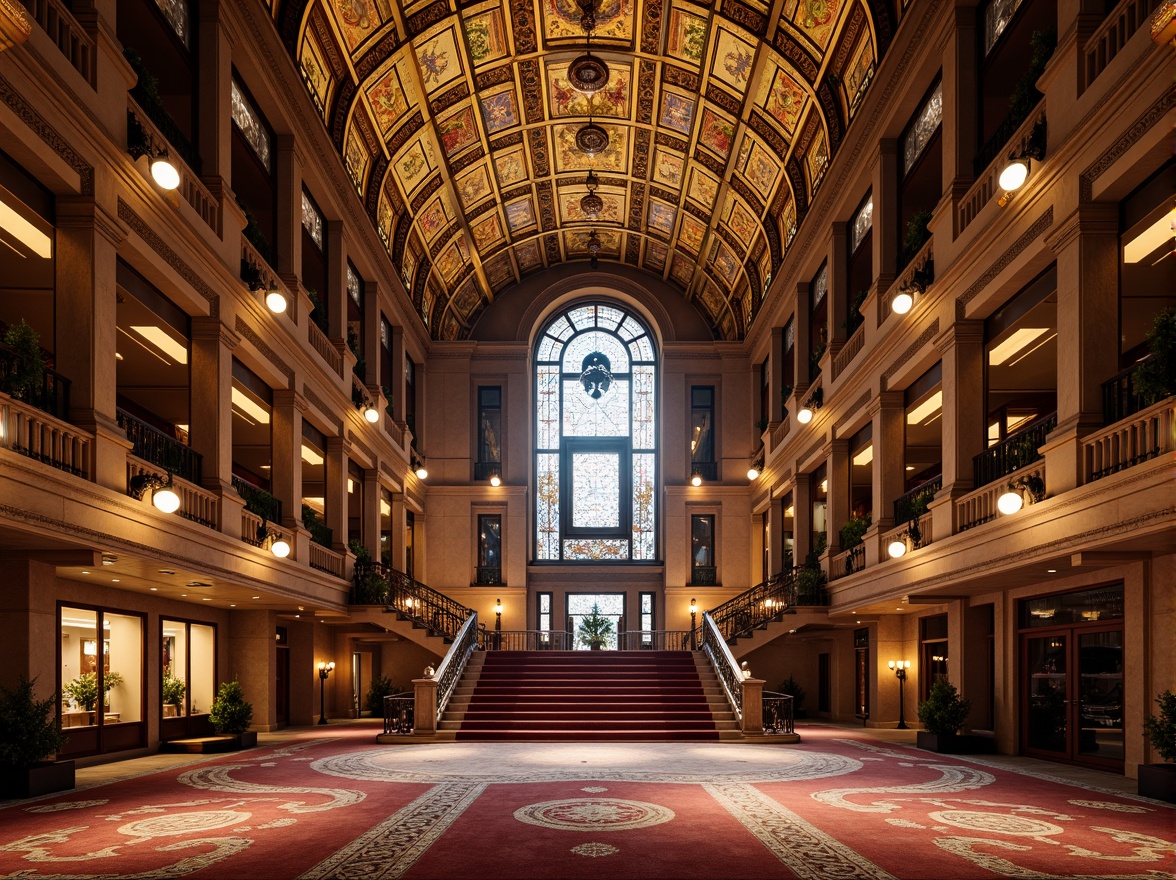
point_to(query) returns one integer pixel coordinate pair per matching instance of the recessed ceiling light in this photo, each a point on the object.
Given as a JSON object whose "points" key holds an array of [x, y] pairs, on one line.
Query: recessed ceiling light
{"points": [[231, 605], [910, 467], [164, 342], [154, 589], [256, 597], [115, 580], [166, 571], [1051, 571], [85, 572], [183, 595], [206, 599]]}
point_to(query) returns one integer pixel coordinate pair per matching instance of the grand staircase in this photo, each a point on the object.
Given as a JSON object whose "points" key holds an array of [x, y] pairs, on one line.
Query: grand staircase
{"points": [[589, 696]]}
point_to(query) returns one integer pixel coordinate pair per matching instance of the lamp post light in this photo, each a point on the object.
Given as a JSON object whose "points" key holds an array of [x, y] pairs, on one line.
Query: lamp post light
{"points": [[497, 624], [693, 625], [900, 667], [324, 671]]}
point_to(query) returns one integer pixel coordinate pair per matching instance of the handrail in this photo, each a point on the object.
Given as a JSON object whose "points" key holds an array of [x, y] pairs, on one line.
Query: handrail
{"points": [[778, 712], [723, 662], [525, 640], [258, 500], [914, 503], [157, 448], [378, 584], [654, 640], [50, 396], [1120, 399], [398, 712], [74, 40], [741, 614], [454, 662], [1110, 37]]}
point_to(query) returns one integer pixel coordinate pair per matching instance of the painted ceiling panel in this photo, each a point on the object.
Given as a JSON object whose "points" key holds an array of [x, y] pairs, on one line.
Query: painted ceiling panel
{"points": [[457, 127]]}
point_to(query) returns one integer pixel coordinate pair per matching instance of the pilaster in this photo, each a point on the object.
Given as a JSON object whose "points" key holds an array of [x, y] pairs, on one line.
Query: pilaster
{"points": [[211, 391], [288, 228], [286, 476], [886, 415], [885, 237], [837, 510], [838, 287], [336, 491]]}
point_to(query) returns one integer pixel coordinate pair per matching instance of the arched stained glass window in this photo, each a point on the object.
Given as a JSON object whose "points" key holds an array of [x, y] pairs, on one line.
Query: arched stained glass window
{"points": [[595, 437]]}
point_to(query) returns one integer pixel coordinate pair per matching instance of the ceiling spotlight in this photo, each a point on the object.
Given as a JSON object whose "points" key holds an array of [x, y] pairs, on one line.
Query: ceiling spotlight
{"points": [[902, 302], [275, 300], [164, 172]]}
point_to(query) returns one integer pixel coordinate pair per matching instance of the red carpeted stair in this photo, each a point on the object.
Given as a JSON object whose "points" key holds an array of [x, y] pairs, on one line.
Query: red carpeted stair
{"points": [[587, 695]]}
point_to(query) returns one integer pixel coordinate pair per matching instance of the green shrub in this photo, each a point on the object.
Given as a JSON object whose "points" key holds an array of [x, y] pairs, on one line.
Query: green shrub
{"points": [[28, 727], [381, 686], [944, 711], [792, 687], [230, 712], [27, 372], [173, 690], [854, 530], [83, 690], [1155, 378], [1161, 730]]}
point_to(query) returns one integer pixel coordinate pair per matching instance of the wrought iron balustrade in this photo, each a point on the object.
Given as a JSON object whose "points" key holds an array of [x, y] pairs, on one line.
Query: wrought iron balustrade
{"points": [[728, 671], [1004, 132], [655, 640], [159, 449], [489, 576], [50, 396], [914, 503], [752, 608], [778, 713], [1120, 399], [484, 470], [258, 500], [708, 470], [378, 584], [1013, 453], [524, 640], [703, 576], [453, 664], [398, 713]]}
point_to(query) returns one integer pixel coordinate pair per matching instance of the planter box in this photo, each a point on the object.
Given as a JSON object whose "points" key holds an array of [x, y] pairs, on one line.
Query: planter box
{"points": [[955, 743], [37, 780], [202, 745], [1158, 781]]}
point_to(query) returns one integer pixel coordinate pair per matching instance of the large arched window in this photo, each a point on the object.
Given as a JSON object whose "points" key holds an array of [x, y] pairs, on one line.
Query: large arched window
{"points": [[595, 437]]}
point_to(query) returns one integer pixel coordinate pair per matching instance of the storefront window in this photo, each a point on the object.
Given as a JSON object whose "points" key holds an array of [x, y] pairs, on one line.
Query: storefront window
{"points": [[101, 667], [188, 661]]}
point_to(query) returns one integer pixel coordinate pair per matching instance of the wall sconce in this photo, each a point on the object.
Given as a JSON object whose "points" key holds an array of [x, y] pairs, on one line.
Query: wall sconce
{"points": [[163, 496], [898, 547], [696, 479], [1013, 497], [495, 480], [757, 464], [325, 670], [419, 466], [370, 413], [902, 302], [1016, 171], [815, 401], [278, 545], [141, 143], [900, 667], [275, 300]]}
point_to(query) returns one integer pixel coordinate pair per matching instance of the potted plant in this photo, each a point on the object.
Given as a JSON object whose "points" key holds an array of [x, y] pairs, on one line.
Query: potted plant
{"points": [[942, 715], [594, 630], [381, 686], [1159, 780], [370, 586], [173, 693], [25, 374], [29, 740], [1155, 377], [792, 688], [231, 715], [83, 690]]}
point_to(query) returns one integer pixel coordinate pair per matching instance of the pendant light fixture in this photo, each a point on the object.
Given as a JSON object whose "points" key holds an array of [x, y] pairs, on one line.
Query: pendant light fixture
{"points": [[589, 74], [592, 204]]}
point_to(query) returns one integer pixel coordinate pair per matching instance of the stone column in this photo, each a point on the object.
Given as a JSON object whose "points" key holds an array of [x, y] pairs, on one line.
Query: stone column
{"points": [[776, 377], [399, 528], [286, 476], [960, 92], [336, 293], [837, 498], [371, 510], [886, 413], [373, 351], [802, 521], [288, 227], [335, 503], [253, 660], [1087, 247], [211, 429], [398, 388], [214, 96], [800, 345], [886, 232], [86, 336], [838, 295], [964, 414]]}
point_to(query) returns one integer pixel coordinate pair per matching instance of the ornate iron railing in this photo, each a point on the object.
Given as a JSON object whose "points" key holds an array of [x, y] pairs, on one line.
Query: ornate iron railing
{"points": [[738, 616], [1120, 399], [398, 713], [448, 674], [728, 671], [655, 640], [258, 500], [703, 576], [378, 584], [52, 396], [484, 470], [159, 449], [708, 470], [914, 503], [1013, 453], [778, 713], [525, 640], [489, 576]]}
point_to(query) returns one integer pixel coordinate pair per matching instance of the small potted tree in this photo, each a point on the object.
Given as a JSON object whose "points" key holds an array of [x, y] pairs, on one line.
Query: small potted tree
{"points": [[29, 741], [173, 695], [380, 686], [942, 715], [792, 688], [594, 630], [83, 690], [231, 715], [1159, 780]]}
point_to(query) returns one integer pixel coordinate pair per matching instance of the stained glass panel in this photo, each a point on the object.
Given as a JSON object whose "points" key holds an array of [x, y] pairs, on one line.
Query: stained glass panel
{"points": [[644, 506], [863, 221], [922, 129], [595, 340], [583, 318], [820, 286], [176, 13], [606, 603], [354, 286], [644, 400], [630, 329], [596, 548], [547, 421], [561, 329], [608, 318], [997, 16], [312, 222], [547, 506], [585, 417], [248, 121], [596, 490], [641, 349], [549, 349]]}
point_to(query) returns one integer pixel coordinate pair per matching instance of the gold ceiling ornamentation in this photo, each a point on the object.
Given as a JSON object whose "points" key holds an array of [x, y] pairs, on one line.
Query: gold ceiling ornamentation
{"points": [[468, 130], [15, 25]]}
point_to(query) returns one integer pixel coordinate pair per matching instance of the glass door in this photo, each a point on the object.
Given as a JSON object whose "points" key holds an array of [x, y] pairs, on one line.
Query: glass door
{"points": [[1100, 695], [1046, 715]]}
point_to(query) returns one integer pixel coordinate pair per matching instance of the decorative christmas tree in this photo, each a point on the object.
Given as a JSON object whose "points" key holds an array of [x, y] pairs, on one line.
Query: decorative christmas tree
{"points": [[594, 629]]}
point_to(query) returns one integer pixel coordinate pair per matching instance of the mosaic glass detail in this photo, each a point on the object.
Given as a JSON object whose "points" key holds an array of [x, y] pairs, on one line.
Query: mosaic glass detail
{"points": [[612, 491], [926, 123], [820, 286], [312, 222], [863, 221], [176, 13], [997, 15], [248, 122], [354, 286]]}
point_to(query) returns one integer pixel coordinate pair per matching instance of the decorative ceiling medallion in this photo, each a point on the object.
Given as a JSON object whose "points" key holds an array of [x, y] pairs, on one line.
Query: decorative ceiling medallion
{"points": [[588, 73], [592, 139], [592, 204]]}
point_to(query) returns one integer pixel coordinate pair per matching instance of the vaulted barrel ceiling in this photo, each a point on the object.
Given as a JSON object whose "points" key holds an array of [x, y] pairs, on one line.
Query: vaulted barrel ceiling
{"points": [[456, 123]]}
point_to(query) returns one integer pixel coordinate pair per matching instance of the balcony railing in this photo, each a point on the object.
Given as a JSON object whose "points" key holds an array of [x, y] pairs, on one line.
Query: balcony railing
{"points": [[71, 38], [258, 501], [196, 503], [913, 534], [1013, 453], [914, 503], [849, 351], [50, 396], [320, 343], [979, 506], [1112, 35], [379, 584], [703, 576], [525, 640], [654, 640], [193, 189], [972, 202], [157, 448], [755, 607], [489, 576], [847, 562], [31, 431], [324, 559], [777, 712], [1128, 442], [1120, 399]]}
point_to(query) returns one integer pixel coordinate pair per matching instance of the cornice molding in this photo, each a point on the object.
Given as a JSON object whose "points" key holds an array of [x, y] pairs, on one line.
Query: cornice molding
{"points": [[16, 102], [151, 238], [1018, 247]]}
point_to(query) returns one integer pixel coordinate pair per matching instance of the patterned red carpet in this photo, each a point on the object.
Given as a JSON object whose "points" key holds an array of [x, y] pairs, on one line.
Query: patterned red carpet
{"points": [[840, 805]]}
